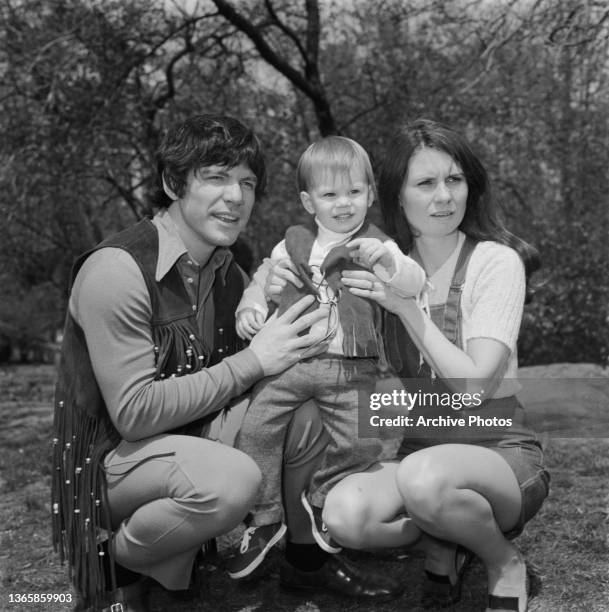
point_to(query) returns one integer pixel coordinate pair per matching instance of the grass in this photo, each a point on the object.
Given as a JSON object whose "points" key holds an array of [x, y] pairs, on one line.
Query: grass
{"points": [[567, 544]]}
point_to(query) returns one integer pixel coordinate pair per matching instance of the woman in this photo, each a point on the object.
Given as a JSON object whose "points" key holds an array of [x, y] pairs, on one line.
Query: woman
{"points": [[459, 494]]}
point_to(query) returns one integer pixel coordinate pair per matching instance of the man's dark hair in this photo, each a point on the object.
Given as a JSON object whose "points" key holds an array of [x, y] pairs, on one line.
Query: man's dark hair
{"points": [[206, 140]]}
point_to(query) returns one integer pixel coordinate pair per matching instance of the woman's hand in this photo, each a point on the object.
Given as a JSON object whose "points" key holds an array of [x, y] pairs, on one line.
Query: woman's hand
{"points": [[281, 273], [368, 285]]}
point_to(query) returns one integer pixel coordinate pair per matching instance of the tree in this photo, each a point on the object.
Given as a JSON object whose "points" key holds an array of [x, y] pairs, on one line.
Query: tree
{"points": [[304, 45], [89, 85], [86, 88]]}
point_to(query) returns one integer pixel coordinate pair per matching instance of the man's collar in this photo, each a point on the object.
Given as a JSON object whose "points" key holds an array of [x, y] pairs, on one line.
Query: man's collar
{"points": [[221, 259], [171, 248]]}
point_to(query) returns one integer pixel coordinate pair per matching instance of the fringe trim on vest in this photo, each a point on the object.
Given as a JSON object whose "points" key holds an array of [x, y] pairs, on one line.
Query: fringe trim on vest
{"points": [[81, 520], [356, 327], [177, 348]]}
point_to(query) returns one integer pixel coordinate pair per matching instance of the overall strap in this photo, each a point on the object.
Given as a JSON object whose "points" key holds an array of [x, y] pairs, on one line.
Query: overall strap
{"points": [[452, 307]]}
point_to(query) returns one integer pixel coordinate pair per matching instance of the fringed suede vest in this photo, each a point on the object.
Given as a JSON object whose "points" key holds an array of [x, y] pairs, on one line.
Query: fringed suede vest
{"points": [[83, 431], [360, 319]]}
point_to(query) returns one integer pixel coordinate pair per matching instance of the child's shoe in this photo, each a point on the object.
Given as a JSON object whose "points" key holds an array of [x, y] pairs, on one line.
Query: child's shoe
{"points": [[255, 544], [318, 528]]}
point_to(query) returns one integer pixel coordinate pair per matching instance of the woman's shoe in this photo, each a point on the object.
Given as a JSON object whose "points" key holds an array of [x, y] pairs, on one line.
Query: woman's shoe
{"points": [[438, 591], [499, 603]]}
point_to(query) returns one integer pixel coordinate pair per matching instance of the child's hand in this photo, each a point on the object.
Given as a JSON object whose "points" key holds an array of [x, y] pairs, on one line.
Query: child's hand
{"points": [[371, 252], [281, 273], [248, 324]]}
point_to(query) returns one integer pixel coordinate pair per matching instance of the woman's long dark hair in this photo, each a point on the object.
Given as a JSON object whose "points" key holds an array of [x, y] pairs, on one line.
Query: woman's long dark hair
{"points": [[480, 221]]}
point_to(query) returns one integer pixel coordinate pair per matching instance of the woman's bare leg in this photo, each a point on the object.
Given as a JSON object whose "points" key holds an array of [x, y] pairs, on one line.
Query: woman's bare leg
{"points": [[469, 495], [366, 510]]}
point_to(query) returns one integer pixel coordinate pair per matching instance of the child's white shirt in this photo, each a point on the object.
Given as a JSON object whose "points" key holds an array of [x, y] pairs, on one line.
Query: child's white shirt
{"points": [[407, 281]]}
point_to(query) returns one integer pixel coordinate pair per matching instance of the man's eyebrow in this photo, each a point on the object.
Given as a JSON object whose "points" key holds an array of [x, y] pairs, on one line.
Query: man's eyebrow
{"points": [[213, 170]]}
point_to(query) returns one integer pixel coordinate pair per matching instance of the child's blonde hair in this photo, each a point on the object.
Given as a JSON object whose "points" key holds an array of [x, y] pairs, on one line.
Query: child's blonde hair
{"points": [[333, 154]]}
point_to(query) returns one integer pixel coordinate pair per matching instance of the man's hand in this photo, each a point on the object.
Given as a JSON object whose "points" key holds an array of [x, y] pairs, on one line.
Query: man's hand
{"points": [[282, 272], [249, 322], [371, 252], [278, 345]]}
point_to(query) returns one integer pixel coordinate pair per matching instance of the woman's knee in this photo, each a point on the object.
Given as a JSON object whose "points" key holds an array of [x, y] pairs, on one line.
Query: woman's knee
{"points": [[346, 515], [424, 486]]}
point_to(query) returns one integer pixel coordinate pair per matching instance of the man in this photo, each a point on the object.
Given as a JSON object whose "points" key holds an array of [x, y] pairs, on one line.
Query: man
{"points": [[150, 356]]}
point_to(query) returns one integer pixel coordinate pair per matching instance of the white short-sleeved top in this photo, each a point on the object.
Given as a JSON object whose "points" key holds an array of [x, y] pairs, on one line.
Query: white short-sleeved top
{"points": [[492, 300]]}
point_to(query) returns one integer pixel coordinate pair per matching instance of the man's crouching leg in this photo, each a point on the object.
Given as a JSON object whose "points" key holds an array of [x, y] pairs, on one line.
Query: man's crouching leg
{"points": [[168, 495]]}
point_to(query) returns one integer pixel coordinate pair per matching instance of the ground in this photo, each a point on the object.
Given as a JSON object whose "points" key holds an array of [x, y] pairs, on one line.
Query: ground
{"points": [[566, 545]]}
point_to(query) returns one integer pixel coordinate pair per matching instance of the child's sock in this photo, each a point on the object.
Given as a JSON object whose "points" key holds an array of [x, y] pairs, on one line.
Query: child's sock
{"points": [[305, 557]]}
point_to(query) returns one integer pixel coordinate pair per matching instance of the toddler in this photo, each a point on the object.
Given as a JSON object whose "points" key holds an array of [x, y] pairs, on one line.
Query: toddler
{"points": [[337, 188]]}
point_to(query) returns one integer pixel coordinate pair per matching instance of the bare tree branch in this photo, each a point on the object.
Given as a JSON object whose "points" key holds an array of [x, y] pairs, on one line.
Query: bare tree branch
{"points": [[377, 104], [285, 29], [309, 83], [313, 29], [135, 204], [42, 233], [169, 70]]}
